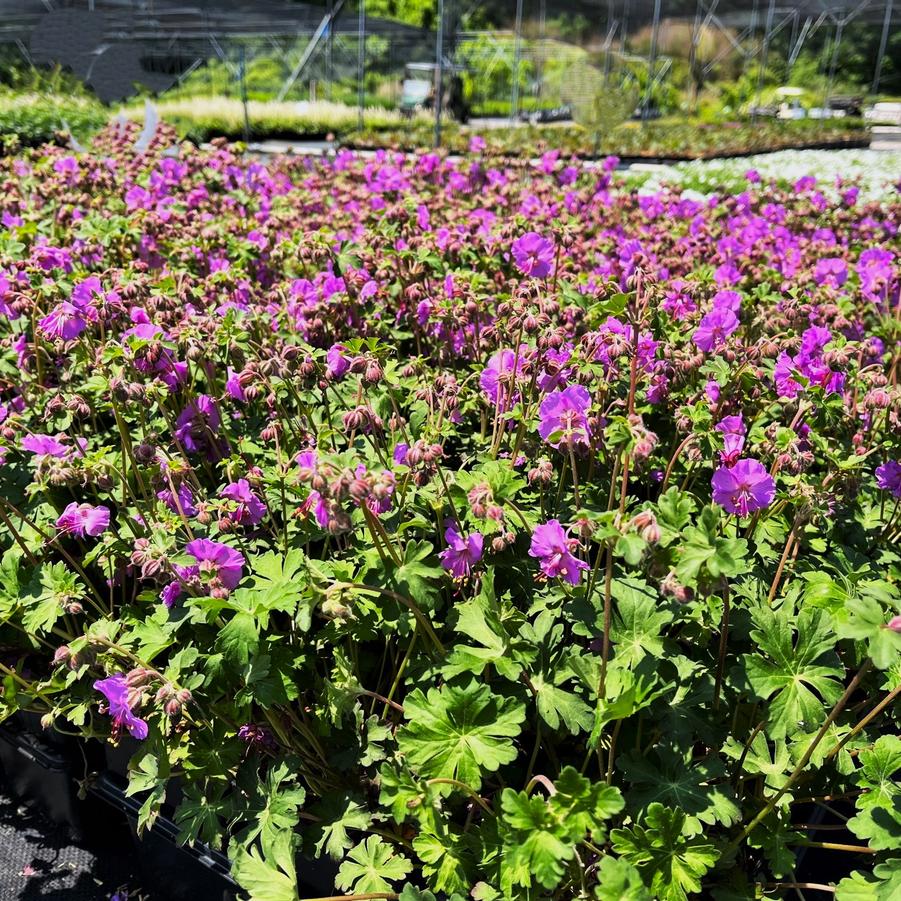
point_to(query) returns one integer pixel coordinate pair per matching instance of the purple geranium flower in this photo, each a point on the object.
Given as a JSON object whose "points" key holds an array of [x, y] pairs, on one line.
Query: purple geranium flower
{"points": [[83, 519], [47, 446], [337, 363], [743, 487], [727, 300], [888, 477], [496, 377], [714, 328], [183, 497], [233, 386], [64, 321], [461, 553], [809, 363], [733, 431], [171, 593], [224, 562], [197, 423], [831, 271], [250, 509], [316, 502], [564, 414], [534, 255], [555, 552], [876, 273], [115, 690]]}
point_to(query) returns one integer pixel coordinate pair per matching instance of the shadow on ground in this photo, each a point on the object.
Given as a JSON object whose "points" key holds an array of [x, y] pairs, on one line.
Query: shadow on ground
{"points": [[42, 860]]}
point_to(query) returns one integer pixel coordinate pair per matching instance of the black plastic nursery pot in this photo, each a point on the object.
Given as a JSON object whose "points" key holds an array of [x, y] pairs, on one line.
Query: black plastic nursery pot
{"points": [[174, 872], [168, 870], [39, 772]]}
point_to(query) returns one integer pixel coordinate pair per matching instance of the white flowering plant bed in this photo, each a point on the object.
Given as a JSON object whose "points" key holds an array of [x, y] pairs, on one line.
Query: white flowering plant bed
{"points": [[876, 173]]}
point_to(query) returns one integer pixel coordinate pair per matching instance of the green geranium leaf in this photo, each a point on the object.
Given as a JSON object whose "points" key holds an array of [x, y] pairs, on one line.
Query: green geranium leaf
{"points": [[667, 852], [638, 620], [696, 789], [773, 764], [631, 548], [867, 621], [799, 673], [540, 834], [459, 732], [556, 705], [883, 884], [44, 606], [262, 879], [880, 826], [618, 880], [703, 553], [483, 620], [371, 867], [446, 862], [778, 841], [337, 815], [416, 578], [674, 513], [239, 638], [201, 813], [877, 773], [536, 851]]}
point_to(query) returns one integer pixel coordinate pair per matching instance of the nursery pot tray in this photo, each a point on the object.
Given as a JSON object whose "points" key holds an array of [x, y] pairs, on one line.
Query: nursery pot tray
{"points": [[172, 871], [40, 775]]}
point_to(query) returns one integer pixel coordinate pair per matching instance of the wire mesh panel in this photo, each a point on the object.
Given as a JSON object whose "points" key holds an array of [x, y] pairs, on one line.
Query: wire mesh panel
{"points": [[514, 57]]}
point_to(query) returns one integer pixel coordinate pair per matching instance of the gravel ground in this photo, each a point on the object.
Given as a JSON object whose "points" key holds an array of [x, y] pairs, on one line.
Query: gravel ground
{"points": [[39, 860]]}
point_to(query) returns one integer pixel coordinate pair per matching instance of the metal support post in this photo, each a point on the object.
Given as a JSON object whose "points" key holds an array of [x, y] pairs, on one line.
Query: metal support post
{"points": [[361, 60], [883, 43], [764, 56], [517, 59], [439, 72], [652, 62], [242, 76]]}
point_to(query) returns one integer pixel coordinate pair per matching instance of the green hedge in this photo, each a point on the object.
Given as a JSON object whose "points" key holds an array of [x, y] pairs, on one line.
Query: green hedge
{"points": [[667, 140], [34, 119]]}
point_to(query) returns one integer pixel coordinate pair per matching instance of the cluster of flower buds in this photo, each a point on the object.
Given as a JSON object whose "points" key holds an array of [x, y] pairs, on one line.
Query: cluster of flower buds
{"points": [[671, 587], [363, 419], [422, 458], [881, 398], [172, 699], [645, 440], [794, 457], [73, 403], [542, 473], [65, 656], [369, 366], [127, 392], [645, 524], [481, 502], [502, 541], [335, 607]]}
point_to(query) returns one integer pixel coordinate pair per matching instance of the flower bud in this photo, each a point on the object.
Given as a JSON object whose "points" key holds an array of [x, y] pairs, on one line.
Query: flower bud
{"points": [[336, 609], [645, 523], [543, 473], [671, 587]]}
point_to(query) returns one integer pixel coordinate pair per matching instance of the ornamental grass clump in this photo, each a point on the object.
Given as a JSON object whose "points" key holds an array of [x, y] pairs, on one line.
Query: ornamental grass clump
{"points": [[487, 532]]}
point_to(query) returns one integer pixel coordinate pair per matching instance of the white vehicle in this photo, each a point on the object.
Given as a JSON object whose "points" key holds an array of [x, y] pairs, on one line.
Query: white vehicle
{"points": [[790, 103], [884, 113]]}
